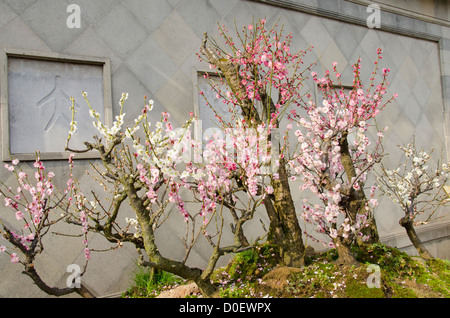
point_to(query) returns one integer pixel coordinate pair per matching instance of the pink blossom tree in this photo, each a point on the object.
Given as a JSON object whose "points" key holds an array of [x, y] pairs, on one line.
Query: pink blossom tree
{"points": [[37, 205], [254, 70], [337, 156]]}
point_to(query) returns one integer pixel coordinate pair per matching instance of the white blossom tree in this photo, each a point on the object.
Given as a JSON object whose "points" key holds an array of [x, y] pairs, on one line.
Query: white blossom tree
{"points": [[417, 189]]}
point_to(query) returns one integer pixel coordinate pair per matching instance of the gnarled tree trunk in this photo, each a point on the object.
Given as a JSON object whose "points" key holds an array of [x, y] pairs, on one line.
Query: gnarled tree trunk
{"points": [[357, 200], [286, 231], [407, 223]]}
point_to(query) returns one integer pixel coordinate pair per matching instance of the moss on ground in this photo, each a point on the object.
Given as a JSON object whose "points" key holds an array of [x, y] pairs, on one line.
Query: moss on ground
{"points": [[259, 273]]}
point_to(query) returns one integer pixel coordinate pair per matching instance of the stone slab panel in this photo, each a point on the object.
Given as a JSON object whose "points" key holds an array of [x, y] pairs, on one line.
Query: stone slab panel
{"points": [[39, 103]]}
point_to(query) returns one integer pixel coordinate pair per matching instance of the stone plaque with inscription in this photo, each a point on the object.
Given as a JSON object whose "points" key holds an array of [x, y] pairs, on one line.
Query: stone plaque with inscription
{"points": [[39, 105]]}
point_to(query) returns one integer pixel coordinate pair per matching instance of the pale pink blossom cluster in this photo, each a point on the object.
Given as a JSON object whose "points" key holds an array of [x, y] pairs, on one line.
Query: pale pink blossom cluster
{"points": [[35, 203], [76, 202], [341, 117], [266, 66], [30, 201]]}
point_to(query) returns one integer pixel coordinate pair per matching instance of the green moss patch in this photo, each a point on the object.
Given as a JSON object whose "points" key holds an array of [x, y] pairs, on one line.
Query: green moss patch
{"points": [[382, 272]]}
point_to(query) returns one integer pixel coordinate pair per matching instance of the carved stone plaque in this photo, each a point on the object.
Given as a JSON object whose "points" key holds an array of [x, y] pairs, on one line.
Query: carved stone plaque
{"points": [[39, 105]]}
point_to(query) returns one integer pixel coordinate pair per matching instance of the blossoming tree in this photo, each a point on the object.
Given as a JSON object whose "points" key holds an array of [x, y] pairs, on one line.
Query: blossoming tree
{"points": [[253, 73], [336, 156], [154, 168], [417, 189], [264, 83], [37, 205]]}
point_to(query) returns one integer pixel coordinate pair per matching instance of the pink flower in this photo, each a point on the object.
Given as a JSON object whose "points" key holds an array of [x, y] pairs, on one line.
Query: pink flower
{"points": [[15, 162], [30, 237], [14, 258], [87, 253], [373, 202], [269, 189], [71, 157], [2, 249], [19, 215], [250, 27]]}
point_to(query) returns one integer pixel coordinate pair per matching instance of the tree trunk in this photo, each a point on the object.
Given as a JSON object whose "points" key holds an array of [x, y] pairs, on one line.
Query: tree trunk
{"points": [[207, 289], [345, 254], [357, 200], [285, 228], [407, 223], [158, 261]]}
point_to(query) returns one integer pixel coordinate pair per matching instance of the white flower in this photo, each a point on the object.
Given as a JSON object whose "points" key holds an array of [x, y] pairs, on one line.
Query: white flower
{"points": [[150, 105], [184, 175], [93, 113], [131, 221], [130, 132], [124, 97], [74, 128]]}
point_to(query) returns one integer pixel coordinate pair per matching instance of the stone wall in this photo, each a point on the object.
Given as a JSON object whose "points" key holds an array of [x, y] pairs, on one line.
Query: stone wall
{"points": [[150, 47]]}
